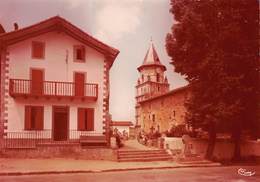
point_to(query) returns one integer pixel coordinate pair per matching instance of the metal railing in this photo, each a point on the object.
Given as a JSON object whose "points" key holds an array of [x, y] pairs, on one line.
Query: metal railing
{"points": [[30, 139], [51, 88]]}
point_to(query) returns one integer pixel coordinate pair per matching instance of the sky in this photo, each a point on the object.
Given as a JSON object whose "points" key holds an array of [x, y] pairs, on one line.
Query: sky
{"points": [[127, 25]]}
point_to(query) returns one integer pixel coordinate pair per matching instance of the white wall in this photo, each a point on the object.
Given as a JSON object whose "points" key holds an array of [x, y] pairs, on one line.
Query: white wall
{"points": [[58, 46]]}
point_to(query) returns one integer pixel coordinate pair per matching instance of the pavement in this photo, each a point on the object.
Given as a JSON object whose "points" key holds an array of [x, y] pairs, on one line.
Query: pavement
{"points": [[11, 166], [198, 174]]}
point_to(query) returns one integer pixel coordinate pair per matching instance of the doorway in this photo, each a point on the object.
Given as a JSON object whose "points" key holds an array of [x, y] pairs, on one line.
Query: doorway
{"points": [[79, 80], [37, 77], [60, 123]]}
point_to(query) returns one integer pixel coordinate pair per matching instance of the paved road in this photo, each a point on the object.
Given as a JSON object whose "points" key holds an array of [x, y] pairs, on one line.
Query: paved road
{"points": [[215, 174]]}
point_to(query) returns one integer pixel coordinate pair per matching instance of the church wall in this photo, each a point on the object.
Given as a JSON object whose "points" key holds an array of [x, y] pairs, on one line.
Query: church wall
{"points": [[164, 110]]}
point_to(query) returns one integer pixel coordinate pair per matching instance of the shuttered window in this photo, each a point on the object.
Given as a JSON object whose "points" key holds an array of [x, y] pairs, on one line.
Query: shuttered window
{"points": [[86, 119], [38, 50], [79, 53], [33, 118]]}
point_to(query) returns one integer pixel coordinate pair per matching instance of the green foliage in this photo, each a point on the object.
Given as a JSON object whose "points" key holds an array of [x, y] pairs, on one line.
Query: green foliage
{"points": [[214, 44]]}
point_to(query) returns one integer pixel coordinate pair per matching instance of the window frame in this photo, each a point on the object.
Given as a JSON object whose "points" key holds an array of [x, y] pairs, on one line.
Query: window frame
{"points": [[84, 126], [37, 126], [82, 48], [43, 50]]}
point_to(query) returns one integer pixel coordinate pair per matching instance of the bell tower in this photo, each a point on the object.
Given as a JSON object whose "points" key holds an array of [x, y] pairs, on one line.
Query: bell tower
{"points": [[151, 81]]}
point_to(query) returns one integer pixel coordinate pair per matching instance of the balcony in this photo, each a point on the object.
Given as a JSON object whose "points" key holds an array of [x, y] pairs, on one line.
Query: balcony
{"points": [[52, 89]]}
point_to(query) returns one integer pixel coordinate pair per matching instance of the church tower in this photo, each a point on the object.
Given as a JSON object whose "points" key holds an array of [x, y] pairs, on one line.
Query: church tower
{"points": [[151, 81]]}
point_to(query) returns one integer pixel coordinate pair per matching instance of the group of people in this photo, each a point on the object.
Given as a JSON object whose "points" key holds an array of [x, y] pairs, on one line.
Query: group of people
{"points": [[120, 136]]}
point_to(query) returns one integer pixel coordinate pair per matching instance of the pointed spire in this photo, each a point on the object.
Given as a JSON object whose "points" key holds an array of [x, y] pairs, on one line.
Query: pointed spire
{"points": [[151, 58]]}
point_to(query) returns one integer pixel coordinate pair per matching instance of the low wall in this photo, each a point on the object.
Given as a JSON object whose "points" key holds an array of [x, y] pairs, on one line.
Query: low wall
{"points": [[223, 150], [174, 143], [75, 152]]}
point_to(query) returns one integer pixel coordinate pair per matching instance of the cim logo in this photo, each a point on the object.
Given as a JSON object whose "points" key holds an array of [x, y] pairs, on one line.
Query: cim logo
{"points": [[244, 172]]}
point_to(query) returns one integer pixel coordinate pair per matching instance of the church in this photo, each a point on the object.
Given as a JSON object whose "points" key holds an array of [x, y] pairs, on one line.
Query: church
{"points": [[157, 107]]}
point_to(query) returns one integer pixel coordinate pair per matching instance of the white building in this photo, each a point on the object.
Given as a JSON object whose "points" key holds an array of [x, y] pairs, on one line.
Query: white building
{"points": [[122, 126], [54, 83]]}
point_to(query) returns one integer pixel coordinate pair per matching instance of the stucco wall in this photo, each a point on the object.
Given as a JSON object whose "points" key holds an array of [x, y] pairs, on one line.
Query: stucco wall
{"points": [[163, 108], [58, 47]]}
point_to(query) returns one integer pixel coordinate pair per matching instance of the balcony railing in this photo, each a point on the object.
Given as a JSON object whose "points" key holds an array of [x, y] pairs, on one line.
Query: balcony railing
{"points": [[32, 139], [21, 87]]}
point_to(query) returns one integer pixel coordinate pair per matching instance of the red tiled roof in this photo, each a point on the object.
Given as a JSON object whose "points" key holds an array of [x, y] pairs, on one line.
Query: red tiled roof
{"points": [[58, 23], [121, 123]]}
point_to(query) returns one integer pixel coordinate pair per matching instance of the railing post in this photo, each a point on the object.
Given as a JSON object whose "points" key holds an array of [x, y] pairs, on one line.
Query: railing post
{"points": [[96, 90], [55, 88]]}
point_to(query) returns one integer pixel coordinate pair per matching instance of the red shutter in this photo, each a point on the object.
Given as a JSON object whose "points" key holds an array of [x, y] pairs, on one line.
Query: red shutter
{"points": [[79, 84], [81, 119], [38, 50], [27, 118], [39, 118], [90, 119]]}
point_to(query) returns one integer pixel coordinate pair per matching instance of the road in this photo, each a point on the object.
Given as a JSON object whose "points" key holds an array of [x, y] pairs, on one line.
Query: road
{"points": [[215, 174]]}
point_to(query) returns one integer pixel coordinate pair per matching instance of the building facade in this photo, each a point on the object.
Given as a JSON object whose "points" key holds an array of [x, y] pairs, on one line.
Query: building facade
{"points": [[122, 126], [54, 82], [156, 106]]}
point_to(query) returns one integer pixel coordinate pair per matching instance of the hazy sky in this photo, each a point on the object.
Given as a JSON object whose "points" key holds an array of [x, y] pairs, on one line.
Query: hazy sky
{"points": [[124, 24]]}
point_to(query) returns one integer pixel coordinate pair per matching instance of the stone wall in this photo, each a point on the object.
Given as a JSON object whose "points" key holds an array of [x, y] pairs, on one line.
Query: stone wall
{"points": [[164, 110], [224, 148], [75, 152]]}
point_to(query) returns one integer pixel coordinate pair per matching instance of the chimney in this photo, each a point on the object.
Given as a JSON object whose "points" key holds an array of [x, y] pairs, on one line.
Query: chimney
{"points": [[16, 26]]}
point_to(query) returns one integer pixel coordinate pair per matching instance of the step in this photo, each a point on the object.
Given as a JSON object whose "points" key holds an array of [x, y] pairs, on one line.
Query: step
{"points": [[143, 156], [140, 151], [196, 162], [189, 159], [138, 159]]}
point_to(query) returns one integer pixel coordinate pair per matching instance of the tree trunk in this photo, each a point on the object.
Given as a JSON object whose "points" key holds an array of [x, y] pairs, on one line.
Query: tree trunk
{"points": [[212, 140], [237, 142]]}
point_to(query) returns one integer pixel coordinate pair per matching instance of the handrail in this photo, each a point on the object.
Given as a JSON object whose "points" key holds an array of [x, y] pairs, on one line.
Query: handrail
{"points": [[51, 88], [31, 138]]}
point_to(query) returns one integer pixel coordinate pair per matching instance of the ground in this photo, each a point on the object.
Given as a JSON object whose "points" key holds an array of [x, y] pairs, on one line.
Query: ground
{"points": [[217, 174]]}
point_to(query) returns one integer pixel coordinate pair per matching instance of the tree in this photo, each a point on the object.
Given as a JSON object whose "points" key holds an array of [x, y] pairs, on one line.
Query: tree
{"points": [[214, 44]]}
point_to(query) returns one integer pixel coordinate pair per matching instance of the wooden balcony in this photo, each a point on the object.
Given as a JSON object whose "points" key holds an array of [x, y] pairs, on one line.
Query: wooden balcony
{"points": [[52, 89]]}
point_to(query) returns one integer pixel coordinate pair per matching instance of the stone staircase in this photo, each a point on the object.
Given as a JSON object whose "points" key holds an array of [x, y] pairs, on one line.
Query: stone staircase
{"points": [[142, 155]]}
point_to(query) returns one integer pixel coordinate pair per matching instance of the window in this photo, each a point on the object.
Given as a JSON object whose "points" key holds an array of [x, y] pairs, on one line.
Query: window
{"points": [[174, 113], [79, 53], [38, 50], [85, 119], [33, 118]]}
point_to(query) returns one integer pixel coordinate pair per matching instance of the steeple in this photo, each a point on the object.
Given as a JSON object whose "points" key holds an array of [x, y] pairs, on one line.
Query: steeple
{"points": [[152, 81], [151, 59]]}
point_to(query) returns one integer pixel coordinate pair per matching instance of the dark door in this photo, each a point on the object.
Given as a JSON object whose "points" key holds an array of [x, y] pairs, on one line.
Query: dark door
{"points": [[60, 123], [79, 84], [37, 82]]}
